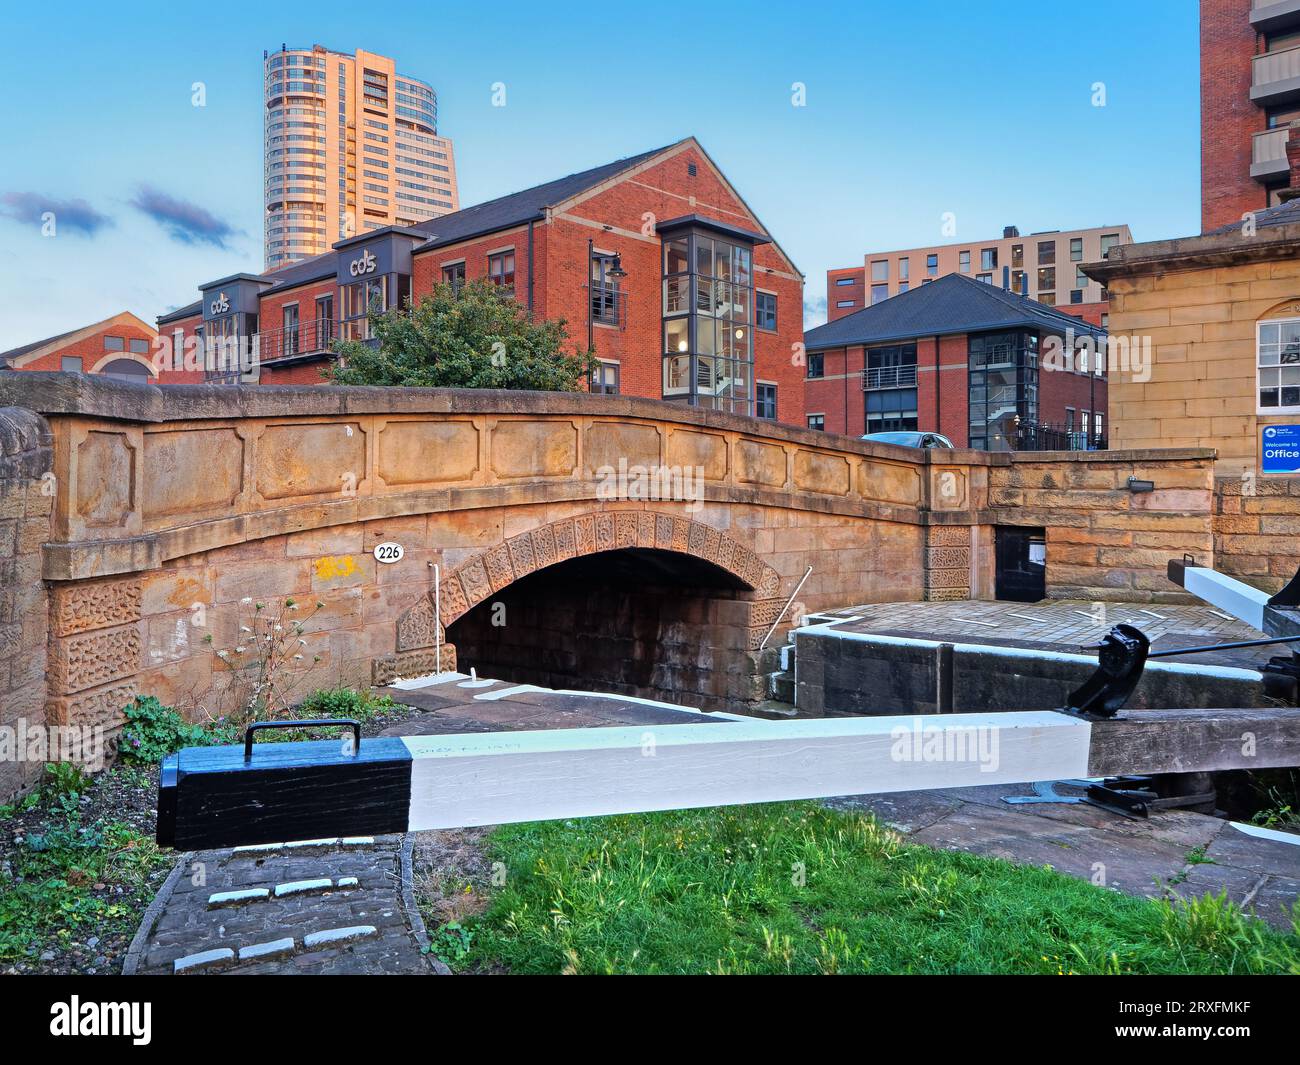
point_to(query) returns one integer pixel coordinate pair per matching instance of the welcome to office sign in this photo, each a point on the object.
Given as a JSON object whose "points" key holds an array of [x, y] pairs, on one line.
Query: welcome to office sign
{"points": [[1280, 448]]}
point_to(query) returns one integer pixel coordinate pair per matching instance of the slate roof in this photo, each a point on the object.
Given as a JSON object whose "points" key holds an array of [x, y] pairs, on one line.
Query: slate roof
{"points": [[14, 353], [181, 312], [950, 304], [520, 207], [1284, 214]]}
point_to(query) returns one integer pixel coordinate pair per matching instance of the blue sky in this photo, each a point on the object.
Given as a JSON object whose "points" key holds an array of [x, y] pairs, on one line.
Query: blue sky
{"points": [[913, 109]]}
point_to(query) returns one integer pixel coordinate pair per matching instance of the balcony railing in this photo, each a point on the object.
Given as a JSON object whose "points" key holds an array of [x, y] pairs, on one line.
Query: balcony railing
{"points": [[308, 338], [1274, 76], [608, 305], [888, 377], [1268, 152], [1270, 16], [1032, 436]]}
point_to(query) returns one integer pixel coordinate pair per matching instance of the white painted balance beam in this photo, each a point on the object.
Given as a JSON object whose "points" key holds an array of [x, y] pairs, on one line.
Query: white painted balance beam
{"points": [[216, 796], [488, 779], [1231, 596]]}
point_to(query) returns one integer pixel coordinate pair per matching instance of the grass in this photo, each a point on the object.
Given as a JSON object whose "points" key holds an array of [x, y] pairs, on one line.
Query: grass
{"points": [[67, 877], [799, 888]]}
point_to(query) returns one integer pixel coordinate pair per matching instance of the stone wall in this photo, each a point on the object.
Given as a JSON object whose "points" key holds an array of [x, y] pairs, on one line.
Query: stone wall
{"points": [[1257, 529], [179, 510], [26, 503]]}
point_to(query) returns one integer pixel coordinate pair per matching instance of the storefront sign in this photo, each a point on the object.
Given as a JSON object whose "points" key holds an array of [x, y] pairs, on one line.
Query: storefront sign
{"points": [[221, 304], [364, 265], [1280, 449]]}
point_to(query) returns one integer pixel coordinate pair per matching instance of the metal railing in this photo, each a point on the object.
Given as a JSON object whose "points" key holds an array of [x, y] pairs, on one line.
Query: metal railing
{"points": [[1032, 436], [608, 305], [307, 338], [888, 377]]}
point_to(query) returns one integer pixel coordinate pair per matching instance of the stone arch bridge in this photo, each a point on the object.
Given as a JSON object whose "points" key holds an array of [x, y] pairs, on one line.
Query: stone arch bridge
{"points": [[141, 522]]}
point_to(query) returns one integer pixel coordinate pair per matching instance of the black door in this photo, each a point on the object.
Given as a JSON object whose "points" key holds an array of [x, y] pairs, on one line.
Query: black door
{"points": [[1021, 556]]}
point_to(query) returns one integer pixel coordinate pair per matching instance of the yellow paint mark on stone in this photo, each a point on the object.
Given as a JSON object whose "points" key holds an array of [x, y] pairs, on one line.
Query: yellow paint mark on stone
{"points": [[335, 566]]}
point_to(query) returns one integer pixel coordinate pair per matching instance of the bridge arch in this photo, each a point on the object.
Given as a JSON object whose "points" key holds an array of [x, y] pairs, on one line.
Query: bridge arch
{"points": [[649, 604]]}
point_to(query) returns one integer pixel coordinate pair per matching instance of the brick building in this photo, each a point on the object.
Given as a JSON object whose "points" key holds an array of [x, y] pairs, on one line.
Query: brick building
{"points": [[655, 262], [122, 346], [1250, 95], [985, 366], [1044, 266]]}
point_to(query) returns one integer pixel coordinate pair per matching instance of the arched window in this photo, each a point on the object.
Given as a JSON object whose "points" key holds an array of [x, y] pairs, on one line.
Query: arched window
{"points": [[126, 370]]}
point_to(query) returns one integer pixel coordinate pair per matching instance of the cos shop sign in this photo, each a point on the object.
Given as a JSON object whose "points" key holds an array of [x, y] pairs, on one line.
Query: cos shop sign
{"points": [[1280, 449]]}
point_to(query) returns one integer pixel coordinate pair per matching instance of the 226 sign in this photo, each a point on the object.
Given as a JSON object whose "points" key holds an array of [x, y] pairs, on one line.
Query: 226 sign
{"points": [[389, 552]]}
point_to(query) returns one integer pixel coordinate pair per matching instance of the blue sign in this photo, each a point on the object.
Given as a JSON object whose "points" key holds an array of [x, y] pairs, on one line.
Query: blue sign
{"points": [[1280, 449]]}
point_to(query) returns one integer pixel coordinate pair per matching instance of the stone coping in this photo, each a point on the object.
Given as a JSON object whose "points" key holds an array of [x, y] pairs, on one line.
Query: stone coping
{"points": [[1207, 249], [55, 394]]}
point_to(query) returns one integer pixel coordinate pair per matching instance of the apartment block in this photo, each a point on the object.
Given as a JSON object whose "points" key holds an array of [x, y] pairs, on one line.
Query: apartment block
{"points": [[351, 146], [655, 262], [1043, 266], [1250, 96]]}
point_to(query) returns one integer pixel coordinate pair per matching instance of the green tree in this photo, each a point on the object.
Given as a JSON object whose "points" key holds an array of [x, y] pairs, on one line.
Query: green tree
{"points": [[477, 336]]}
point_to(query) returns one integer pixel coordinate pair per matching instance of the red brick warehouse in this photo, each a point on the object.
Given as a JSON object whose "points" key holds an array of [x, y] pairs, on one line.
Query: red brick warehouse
{"points": [[656, 261]]}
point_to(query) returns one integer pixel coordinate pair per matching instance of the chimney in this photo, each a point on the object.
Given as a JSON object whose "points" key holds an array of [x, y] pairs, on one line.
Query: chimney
{"points": [[1010, 231], [1293, 162]]}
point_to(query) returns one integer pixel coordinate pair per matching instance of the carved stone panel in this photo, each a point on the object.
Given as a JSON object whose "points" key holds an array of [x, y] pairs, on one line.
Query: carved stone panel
{"points": [[83, 661], [428, 452], [534, 449], [815, 472], [105, 479], [311, 459], [82, 607], [608, 444], [688, 449], [758, 463], [191, 470]]}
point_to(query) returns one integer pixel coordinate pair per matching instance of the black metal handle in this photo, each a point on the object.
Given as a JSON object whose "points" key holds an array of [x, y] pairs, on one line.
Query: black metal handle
{"points": [[355, 726]]}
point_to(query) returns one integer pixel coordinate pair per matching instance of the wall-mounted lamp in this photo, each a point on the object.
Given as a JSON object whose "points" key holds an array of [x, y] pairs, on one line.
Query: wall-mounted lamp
{"points": [[615, 268], [1134, 485]]}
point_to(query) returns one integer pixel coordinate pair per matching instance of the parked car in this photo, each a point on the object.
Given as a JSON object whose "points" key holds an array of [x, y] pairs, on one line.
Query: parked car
{"points": [[911, 439]]}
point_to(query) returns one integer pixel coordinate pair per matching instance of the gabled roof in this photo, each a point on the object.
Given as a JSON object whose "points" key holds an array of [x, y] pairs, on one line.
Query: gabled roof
{"points": [[188, 311], [37, 348], [524, 206], [950, 304]]}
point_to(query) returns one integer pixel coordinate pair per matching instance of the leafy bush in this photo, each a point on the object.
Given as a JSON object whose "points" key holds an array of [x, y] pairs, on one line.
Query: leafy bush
{"points": [[154, 731], [65, 779], [345, 702]]}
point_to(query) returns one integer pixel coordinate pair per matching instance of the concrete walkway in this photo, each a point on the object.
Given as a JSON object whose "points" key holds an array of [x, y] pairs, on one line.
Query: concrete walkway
{"points": [[1070, 625], [1177, 852]]}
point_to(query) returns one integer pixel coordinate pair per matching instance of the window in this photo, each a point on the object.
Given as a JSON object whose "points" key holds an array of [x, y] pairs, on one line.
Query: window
{"points": [[359, 299], [501, 269], [842, 282], [1048, 298], [816, 365], [126, 370], [891, 410], [1047, 253], [765, 310], [846, 303], [604, 379], [114, 343], [879, 293], [1046, 278], [291, 329], [453, 274], [903, 286], [1108, 241], [324, 321], [1076, 249], [606, 297], [1076, 295], [1105, 321], [989, 259], [766, 406], [708, 355], [880, 270], [817, 421], [1279, 365], [963, 262], [139, 347], [986, 278], [1069, 419], [1003, 384], [1019, 282], [1017, 255], [70, 364], [891, 367], [932, 265], [904, 266]]}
